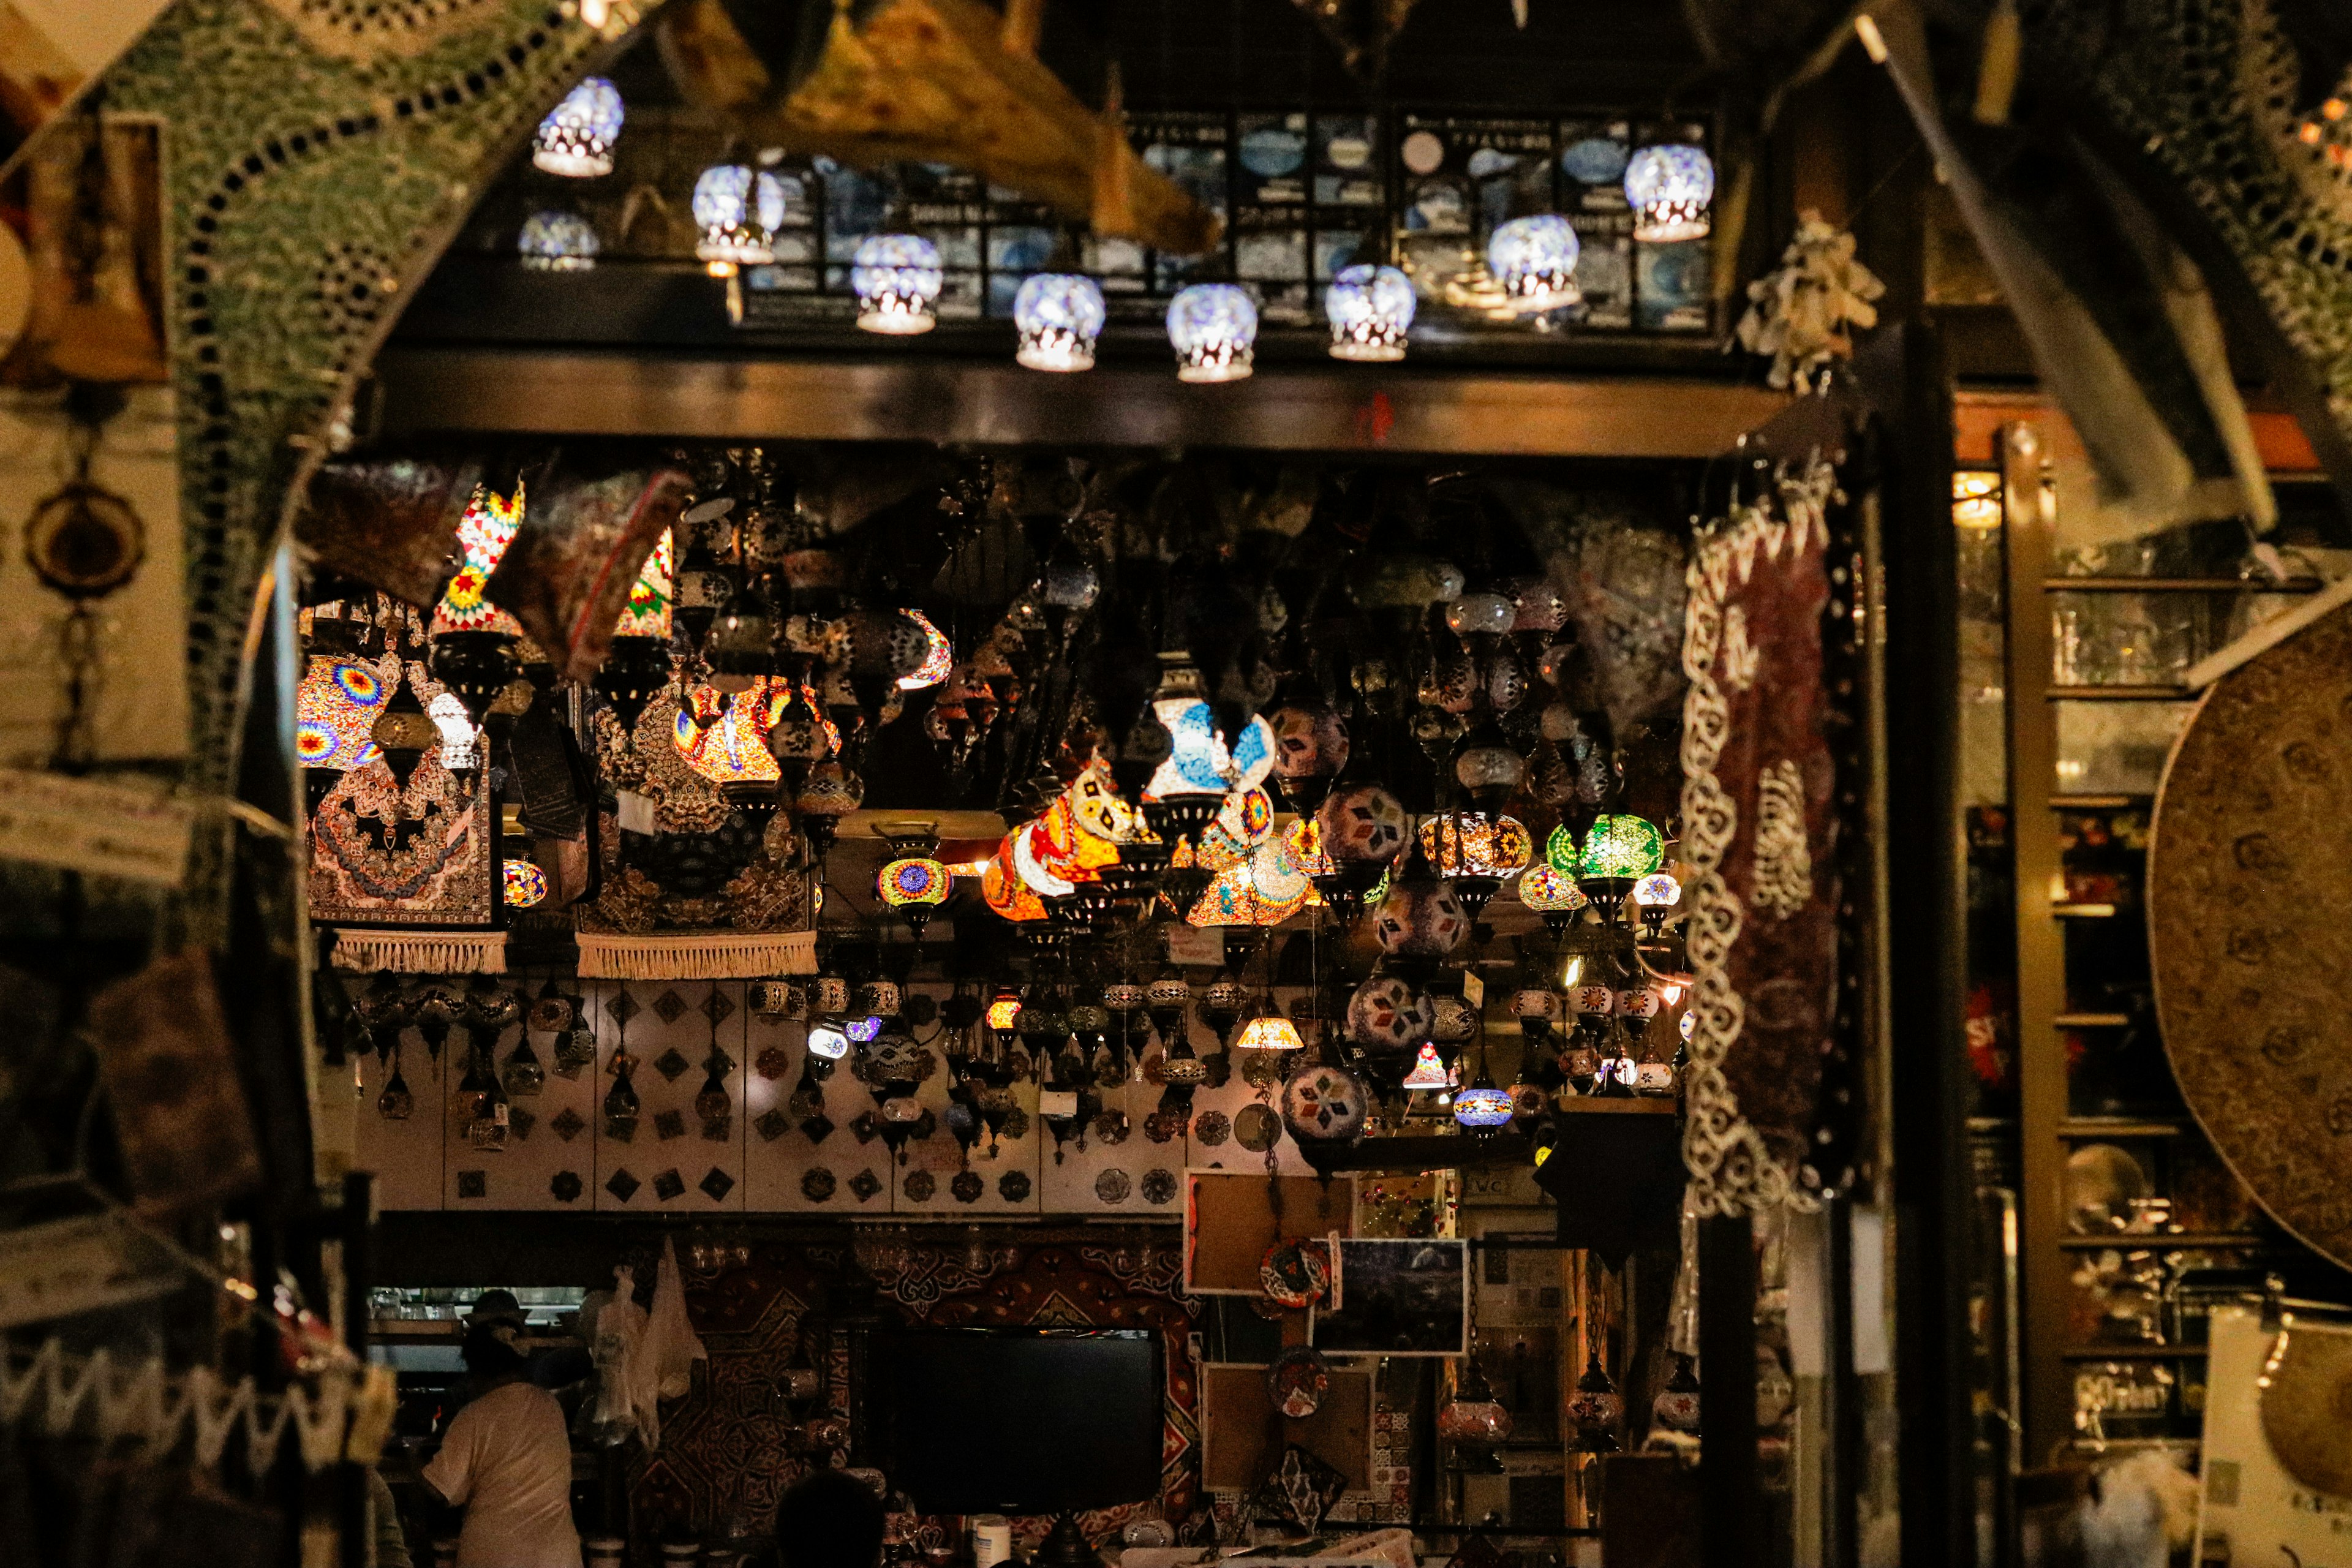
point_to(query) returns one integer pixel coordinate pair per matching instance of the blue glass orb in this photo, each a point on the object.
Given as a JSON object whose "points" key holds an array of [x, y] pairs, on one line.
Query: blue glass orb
{"points": [[1669, 186], [577, 136], [1212, 327], [732, 220], [1534, 260], [1370, 308], [897, 277], [1482, 1107], [1058, 316], [557, 242]]}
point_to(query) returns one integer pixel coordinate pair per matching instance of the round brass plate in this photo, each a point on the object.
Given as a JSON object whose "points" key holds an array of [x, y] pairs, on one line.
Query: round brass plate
{"points": [[2307, 1409], [84, 541], [2249, 926]]}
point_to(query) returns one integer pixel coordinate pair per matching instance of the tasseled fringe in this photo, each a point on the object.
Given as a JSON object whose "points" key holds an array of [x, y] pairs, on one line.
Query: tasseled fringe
{"points": [[702, 955], [421, 952]]}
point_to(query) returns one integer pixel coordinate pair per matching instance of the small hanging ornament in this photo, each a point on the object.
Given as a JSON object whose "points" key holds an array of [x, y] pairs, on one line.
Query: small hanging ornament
{"points": [[1803, 312]]}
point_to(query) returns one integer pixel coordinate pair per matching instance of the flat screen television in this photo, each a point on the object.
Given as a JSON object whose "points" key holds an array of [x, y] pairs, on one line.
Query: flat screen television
{"points": [[1017, 1420]]}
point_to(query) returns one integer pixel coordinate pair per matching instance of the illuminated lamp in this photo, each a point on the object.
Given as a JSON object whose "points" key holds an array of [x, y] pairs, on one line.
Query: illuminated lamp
{"points": [[1482, 1107], [524, 883], [1618, 852], [1552, 894], [1561, 854], [1269, 1031], [1212, 327], [737, 212], [576, 137], [1533, 260], [896, 277], [1057, 316], [912, 882], [1669, 187], [828, 1041], [1369, 309], [939, 655], [1655, 897], [557, 242], [1429, 1069], [830, 793]]}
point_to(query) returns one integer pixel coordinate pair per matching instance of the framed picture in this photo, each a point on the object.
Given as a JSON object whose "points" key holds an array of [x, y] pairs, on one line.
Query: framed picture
{"points": [[1397, 1298]]}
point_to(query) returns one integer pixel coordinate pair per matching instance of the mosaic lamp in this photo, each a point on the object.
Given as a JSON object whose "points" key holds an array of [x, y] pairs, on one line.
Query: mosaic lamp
{"points": [[1057, 317], [1534, 260], [1554, 895], [1482, 1107], [828, 1041], [1212, 327], [1486, 765], [1370, 308], [576, 137], [1269, 1031], [1655, 897], [1619, 851], [896, 278], [557, 242], [1561, 854], [1669, 187], [913, 882], [1429, 1069], [736, 211], [525, 884]]}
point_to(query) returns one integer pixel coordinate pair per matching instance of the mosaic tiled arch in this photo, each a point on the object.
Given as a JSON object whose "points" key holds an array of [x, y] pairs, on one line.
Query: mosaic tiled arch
{"points": [[318, 157]]}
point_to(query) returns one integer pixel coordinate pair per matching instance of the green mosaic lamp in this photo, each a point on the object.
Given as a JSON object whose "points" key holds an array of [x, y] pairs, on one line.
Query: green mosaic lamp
{"points": [[1620, 851]]}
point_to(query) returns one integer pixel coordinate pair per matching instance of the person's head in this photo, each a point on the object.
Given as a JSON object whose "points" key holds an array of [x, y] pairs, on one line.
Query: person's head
{"points": [[828, 1518], [490, 1356]]}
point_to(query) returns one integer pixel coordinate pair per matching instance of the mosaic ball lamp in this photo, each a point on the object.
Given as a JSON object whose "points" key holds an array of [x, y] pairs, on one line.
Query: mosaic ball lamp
{"points": [[1386, 1014], [1534, 260], [576, 137], [1655, 897], [1669, 187], [1463, 844], [735, 212], [1561, 854], [557, 242], [915, 885], [525, 884], [1212, 327], [1371, 310], [827, 1041], [1552, 894], [939, 655], [1057, 318], [1482, 1107], [1622, 848], [897, 279]]}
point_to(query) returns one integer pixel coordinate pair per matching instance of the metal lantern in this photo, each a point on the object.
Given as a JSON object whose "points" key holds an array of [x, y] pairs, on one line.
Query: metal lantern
{"points": [[1482, 1107], [1669, 187], [896, 278], [1534, 260], [738, 211], [1369, 309], [558, 242], [577, 136], [1212, 327], [1058, 316]]}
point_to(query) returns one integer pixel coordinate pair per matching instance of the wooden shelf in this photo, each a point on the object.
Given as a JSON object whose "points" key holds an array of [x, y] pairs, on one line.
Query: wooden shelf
{"points": [[2084, 912], [2137, 1352], [2179, 586], [2159, 1241], [2092, 1020], [2123, 1127], [2173, 692], [2098, 802]]}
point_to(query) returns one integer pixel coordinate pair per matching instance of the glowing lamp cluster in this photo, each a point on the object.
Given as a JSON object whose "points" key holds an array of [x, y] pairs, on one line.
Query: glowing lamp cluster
{"points": [[1669, 188], [897, 279], [1371, 310], [576, 137], [1533, 261], [1056, 317], [1212, 327], [558, 242], [737, 212]]}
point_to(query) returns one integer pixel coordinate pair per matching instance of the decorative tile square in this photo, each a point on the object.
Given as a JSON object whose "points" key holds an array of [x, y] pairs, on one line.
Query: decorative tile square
{"points": [[624, 1006], [919, 1185], [519, 1122], [669, 1006], [620, 1132], [568, 1124], [818, 1128], [772, 1062], [566, 1186], [816, 1183], [621, 1185], [717, 1183], [668, 1184], [473, 1185], [865, 1184], [772, 1124], [718, 1130], [1013, 1187], [669, 1124], [718, 1006], [671, 1063]]}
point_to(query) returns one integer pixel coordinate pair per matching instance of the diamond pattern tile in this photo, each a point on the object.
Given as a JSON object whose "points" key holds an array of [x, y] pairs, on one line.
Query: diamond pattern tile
{"points": [[818, 1128], [473, 1185], [668, 1184], [566, 1186], [568, 1124], [621, 1185], [519, 1122], [774, 1124], [865, 1184], [717, 1183], [669, 1124], [671, 1063], [622, 1006], [718, 1130], [669, 1006], [718, 1006]]}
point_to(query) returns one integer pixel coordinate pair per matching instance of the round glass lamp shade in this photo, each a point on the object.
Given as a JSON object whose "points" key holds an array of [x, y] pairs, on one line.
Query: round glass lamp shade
{"points": [[1548, 891], [1561, 853], [1057, 316], [1657, 891], [918, 881], [1212, 327], [557, 242], [1534, 260], [525, 884], [1669, 187], [1462, 844], [1269, 1032], [736, 211], [939, 655], [896, 277], [1483, 1107], [577, 136], [1490, 769], [1371, 310], [1004, 1013], [827, 1041], [1621, 846], [1471, 614]]}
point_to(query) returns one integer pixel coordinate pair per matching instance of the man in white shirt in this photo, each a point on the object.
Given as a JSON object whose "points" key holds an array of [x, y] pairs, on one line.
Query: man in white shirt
{"points": [[506, 1459]]}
